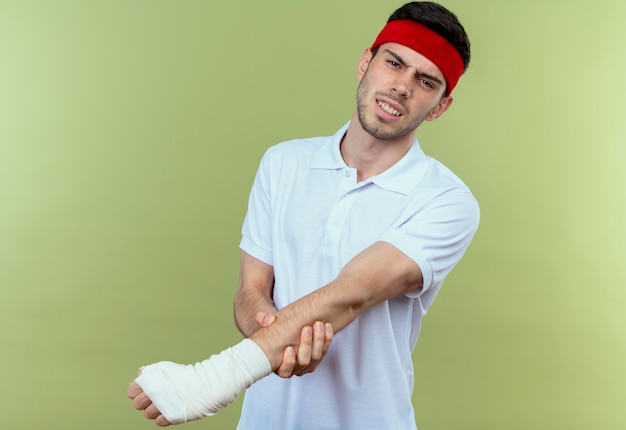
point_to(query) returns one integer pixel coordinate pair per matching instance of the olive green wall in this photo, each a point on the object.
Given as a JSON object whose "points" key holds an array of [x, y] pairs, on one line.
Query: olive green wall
{"points": [[130, 132]]}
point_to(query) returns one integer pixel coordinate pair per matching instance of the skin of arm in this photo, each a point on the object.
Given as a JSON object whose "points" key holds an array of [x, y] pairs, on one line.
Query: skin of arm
{"points": [[378, 273], [254, 294], [254, 309]]}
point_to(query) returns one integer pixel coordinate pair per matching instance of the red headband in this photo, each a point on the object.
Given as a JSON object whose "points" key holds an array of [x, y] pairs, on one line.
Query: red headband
{"points": [[428, 43]]}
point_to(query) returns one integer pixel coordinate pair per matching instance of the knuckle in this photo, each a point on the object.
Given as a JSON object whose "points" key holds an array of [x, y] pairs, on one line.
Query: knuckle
{"points": [[137, 403], [285, 373]]}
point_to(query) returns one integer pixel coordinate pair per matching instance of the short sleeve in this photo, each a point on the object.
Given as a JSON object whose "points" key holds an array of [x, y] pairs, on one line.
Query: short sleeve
{"points": [[436, 235], [257, 227]]}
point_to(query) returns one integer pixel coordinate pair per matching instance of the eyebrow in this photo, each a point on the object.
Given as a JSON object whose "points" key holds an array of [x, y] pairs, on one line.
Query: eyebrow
{"points": [[418, 74]]}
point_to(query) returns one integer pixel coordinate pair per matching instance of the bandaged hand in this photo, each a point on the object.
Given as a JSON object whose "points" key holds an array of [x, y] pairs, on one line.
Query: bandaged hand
{"points": [[175, 393]]}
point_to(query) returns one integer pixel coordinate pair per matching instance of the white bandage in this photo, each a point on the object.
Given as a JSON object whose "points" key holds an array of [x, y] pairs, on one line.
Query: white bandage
{"points": [[189, 392]]}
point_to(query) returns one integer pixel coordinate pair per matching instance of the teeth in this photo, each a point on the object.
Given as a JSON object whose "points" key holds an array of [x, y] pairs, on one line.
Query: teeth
{"points": [[388, 109]]}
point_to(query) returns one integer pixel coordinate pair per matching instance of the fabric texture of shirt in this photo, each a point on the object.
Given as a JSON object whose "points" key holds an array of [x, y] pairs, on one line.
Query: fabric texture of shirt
{"points": [[307, 217]]}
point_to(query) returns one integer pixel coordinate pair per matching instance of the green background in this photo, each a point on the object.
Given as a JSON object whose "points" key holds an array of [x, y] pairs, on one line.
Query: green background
{"points": [[130, 132]]}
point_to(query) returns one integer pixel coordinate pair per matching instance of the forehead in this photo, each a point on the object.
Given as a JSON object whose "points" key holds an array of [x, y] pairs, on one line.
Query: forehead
{"points": [[411, 58]]}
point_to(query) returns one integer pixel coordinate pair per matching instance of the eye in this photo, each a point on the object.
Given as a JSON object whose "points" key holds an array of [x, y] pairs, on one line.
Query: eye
{"points": [[393, 63], [428, 84]]}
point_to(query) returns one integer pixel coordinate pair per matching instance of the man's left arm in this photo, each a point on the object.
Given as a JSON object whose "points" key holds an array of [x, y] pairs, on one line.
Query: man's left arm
{"points": [[413, 255], [378, 273]]}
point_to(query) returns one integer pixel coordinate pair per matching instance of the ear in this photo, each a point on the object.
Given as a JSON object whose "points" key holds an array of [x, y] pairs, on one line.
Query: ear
{"points": [[363, 63], [443, 105]]}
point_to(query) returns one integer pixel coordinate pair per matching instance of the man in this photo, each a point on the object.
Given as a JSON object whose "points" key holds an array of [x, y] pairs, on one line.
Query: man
{"points": [[347, 239]]}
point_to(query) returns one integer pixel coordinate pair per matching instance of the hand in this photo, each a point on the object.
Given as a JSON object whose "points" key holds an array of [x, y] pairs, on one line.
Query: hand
{"points": [[314, 344], [142, 402]]}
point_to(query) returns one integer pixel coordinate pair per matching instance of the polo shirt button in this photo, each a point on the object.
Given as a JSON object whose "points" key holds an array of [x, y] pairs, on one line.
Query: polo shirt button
{"points": [[347, 173]]}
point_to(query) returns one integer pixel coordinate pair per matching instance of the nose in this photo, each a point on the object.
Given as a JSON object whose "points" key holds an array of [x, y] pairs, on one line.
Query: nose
{"points": [[403, 85]]}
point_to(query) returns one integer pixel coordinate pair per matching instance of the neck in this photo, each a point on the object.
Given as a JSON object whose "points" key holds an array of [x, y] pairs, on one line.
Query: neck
{"points": [[368, 155]]}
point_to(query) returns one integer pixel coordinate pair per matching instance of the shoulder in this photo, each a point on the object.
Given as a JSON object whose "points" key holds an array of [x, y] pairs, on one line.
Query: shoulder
{"points": [[441, 187], [303, 151], [440, 177], [438, 174], [294, 153], [300, 147]]}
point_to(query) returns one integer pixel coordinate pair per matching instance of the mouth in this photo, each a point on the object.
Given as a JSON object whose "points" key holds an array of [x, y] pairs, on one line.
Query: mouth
{"points": [[386, 107]]}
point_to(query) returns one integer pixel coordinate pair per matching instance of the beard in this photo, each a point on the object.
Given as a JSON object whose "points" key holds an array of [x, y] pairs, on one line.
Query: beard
{"points": [[377, 127]]}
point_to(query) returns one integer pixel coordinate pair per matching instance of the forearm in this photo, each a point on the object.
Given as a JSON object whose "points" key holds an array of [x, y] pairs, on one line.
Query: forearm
{"points": [[321, 305], [377, 274], [254, 293], [247, 304]]}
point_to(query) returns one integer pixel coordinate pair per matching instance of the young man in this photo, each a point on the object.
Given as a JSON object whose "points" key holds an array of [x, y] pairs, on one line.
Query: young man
{"points": [[350, 234]]}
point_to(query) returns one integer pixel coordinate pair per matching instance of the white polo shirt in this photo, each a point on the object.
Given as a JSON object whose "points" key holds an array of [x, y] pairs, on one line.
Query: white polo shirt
{"points": [[307, 217]]}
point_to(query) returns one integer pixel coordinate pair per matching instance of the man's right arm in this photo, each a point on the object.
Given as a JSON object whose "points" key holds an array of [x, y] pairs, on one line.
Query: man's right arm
{"points": [[254, 306], [254, 309]]}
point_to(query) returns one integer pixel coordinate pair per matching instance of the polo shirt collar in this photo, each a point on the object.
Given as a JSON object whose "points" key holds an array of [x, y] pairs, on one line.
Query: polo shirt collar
{"points": [[401, 177], [328, 156]]}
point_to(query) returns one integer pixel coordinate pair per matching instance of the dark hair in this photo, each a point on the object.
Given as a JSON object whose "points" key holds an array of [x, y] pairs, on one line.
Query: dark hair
{"points": [[440, 20]]}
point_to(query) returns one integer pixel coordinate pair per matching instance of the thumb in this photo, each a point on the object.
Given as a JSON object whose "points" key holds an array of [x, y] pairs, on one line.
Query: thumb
{"points": [[264, 319]]}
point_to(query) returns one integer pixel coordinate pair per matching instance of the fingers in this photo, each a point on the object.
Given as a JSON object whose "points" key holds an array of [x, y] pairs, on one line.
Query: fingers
{"points": [[313, 347], [151, 412], [305, 347], [161, 421], [143, 403], [328, 338], [133, 390], [314, 344], [317, 348], [140, 400], [322, 338], [289, 363]]}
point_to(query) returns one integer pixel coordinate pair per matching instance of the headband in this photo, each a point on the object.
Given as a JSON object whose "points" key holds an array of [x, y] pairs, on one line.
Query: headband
{"points": [[431, 45]]}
